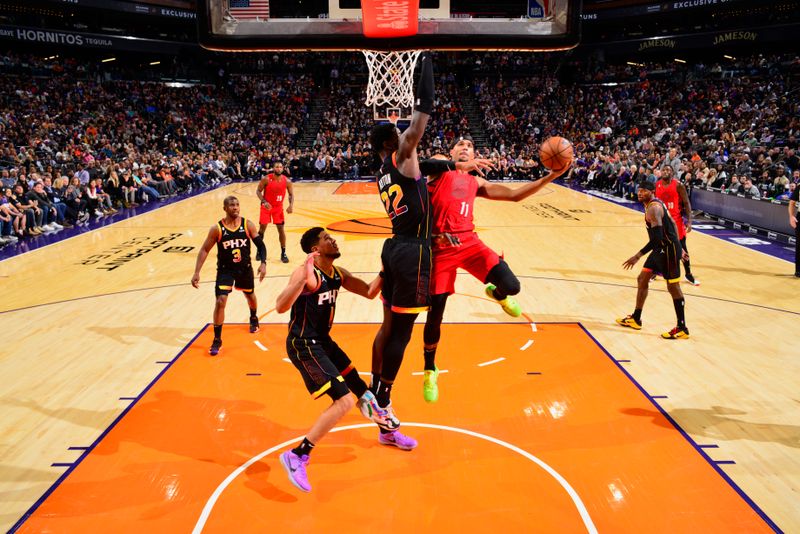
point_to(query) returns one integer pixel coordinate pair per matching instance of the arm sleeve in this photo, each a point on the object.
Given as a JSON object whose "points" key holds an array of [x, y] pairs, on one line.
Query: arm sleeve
{"points": [[261, 248], [424, 100], [655, 240], [436, 166]]}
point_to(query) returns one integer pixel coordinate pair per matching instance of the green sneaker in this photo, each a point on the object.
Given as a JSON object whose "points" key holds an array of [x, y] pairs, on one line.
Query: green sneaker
{"points": [[509, 304], [430, 389]]}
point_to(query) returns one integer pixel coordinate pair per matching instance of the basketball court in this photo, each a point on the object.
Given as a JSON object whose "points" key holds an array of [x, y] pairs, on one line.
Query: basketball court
{"points": [[117, 419], [559, 421]]}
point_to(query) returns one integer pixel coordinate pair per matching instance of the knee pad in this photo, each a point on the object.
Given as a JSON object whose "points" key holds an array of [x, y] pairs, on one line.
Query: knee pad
{"points": [[505, 280]]}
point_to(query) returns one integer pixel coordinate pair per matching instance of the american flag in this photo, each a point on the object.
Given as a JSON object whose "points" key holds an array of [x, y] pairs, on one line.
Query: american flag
{"points": [[249, 9]]}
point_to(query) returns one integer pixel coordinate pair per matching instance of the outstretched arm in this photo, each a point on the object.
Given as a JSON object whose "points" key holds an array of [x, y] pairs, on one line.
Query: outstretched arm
{"points": [[202, 254], [494, 191], [360, 287], [407, 162]]}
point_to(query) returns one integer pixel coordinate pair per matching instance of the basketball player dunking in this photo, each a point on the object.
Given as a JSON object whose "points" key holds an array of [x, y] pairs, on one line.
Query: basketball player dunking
{"points": [[232, 235], [406, 256], [456, 245], [664, 259], [674, 196], [271, 191]]}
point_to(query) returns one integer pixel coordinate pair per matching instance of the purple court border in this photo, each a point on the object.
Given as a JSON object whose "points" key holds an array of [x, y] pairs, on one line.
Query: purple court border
{"points": [[698, 448], [88, 450]]}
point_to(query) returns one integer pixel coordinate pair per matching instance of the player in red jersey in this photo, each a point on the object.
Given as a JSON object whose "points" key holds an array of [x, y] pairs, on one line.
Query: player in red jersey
{"points": [[674, 196], [271, 191], [455, 244]]}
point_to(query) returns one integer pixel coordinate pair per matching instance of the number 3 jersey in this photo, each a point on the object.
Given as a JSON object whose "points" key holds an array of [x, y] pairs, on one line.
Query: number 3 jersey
{"points": [[405, 200], [233, 247], [312, 313]]}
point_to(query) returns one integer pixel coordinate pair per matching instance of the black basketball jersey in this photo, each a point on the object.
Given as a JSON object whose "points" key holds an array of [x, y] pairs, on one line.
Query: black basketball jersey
{"points": [[406, 201], [312, 313], [233, 247], [668, 226]]}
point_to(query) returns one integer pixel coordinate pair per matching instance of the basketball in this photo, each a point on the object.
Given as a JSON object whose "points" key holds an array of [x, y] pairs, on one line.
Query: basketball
{"points": [[556, 153]]}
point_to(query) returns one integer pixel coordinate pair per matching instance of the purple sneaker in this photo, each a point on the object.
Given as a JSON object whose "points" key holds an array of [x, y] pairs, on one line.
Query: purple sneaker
{"points": [[216, 345], [396, 439], [296, 469]]}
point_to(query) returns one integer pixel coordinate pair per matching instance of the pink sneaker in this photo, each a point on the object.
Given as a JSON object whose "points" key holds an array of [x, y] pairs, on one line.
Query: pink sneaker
{"points": [[296, 469], [396, 439]]}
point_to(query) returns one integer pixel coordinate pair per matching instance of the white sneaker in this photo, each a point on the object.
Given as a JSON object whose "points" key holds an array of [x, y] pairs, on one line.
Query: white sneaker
{"points": [[692, 280], [11, 238], [99, 213], [48, 228], [383, 417], [56, 226]]}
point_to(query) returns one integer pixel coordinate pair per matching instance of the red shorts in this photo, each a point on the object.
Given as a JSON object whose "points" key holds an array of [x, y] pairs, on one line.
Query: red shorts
{"points": [[274, 215], [473, 256], [678, 218]]}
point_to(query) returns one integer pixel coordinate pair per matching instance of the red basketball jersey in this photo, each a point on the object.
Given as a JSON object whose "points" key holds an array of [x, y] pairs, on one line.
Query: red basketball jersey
{"points": [[452, 199], [668, 194], [275, 191]]}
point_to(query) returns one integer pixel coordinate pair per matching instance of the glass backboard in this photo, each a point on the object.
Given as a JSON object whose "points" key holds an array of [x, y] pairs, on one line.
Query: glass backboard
{"points": [[284, 25]]}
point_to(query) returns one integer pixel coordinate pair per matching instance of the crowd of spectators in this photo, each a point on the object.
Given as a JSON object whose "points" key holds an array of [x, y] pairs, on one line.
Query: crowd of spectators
{"points": [[77, 143]]}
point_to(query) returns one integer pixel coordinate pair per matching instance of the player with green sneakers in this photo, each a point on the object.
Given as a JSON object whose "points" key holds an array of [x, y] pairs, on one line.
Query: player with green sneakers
{"points": [[455, 244]]}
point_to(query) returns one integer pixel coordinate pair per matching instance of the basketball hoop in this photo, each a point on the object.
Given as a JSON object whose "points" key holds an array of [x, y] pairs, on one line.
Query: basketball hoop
{"points": [[390, 89]]}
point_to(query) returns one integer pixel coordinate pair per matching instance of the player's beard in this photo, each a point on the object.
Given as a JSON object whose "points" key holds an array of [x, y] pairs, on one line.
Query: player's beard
{"points": [[334, 255]]}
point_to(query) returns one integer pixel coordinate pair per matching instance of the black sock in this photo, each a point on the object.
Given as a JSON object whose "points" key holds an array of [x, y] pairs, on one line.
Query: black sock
{"points": [[303, 448], [376, 380], [383, 393], [679, 304], [499, 295], [253, 313], [688, 268], [217, 331], [283, 251], [637, 314], [430, 358]]}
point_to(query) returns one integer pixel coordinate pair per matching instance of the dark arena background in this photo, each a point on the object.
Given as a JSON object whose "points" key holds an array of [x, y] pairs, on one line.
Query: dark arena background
{"points": [[575, 404]]}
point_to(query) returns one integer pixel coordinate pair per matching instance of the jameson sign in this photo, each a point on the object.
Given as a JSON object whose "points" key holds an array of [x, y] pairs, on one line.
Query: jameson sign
{"points": [[763, 34], [86, 40], [657, 43], [735, 36]]}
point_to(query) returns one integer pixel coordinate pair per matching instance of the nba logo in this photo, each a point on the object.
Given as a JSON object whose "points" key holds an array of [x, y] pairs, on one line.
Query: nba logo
{"points": [[537, 9]]}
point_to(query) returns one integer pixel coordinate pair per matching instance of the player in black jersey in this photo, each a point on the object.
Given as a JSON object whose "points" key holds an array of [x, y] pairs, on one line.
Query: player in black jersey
{"points": [[311, 294], [232, 235], [664, 259], [406, 257]]}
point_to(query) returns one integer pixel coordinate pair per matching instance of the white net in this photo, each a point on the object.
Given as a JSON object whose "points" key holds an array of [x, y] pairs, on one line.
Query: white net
{"points": [[391, 79]]}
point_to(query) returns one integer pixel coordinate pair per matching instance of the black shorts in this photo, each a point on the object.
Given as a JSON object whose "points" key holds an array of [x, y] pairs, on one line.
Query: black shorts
{"points": [[406, 274], [666, 262], [321, 363], [241, 279]]}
